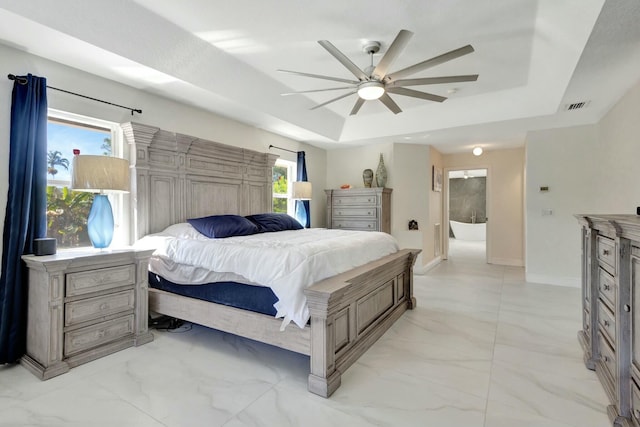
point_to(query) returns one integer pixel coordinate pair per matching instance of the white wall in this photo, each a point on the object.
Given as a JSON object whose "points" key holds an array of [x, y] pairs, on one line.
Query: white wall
{"points": [[409, 175], [157, 111], [589, 169]]}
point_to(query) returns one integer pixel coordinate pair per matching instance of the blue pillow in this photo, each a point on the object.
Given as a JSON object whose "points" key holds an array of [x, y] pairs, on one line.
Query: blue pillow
{"points": [[219, 226], [267, 222]]}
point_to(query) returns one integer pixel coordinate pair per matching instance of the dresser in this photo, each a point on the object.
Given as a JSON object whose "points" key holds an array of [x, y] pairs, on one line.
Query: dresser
{"points": [[366, 209], [610, 335], [84, 304]]}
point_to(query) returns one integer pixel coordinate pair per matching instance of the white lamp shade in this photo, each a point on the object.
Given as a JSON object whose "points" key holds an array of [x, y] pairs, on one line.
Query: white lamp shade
{"points": [[100, 173], [302, 190]]}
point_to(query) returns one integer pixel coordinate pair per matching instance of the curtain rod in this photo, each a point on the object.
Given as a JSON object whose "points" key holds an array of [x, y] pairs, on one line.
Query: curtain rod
{"points": [[23, 81], [283, 149]]}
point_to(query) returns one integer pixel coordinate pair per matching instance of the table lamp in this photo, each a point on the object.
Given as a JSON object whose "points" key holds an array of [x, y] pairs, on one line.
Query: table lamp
{"points": [[100, 174]]}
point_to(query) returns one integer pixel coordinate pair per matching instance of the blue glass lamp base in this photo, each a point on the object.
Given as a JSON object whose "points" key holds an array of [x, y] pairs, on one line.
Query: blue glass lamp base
{"points": [[100, 222]]}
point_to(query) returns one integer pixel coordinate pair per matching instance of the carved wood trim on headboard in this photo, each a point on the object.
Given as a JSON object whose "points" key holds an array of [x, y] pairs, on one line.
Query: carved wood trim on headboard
{"points": [[175, 177]]}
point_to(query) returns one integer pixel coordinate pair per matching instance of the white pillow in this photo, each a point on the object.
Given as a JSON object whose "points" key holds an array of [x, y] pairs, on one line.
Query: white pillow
{"points": [[183, 230]]}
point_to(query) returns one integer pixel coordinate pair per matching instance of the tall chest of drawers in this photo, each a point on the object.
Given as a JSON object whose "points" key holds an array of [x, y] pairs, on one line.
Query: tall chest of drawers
{"points": [[84, 305], [367, 209], [610, 335]]}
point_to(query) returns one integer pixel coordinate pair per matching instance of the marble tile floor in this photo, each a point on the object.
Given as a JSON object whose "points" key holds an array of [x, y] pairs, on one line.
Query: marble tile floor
{"points": [[483, 348]]}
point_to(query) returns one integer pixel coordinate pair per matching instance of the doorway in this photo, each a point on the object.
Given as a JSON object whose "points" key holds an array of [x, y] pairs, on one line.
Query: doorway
{"points": [[465, 211]]}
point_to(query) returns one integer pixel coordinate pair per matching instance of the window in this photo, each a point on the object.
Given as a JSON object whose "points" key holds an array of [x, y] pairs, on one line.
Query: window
{"points": [[284, 172], [67, 210]]}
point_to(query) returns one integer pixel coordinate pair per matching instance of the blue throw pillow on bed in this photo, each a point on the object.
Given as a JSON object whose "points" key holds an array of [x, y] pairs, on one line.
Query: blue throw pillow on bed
{"points": [[267, 222], [219, 226]]}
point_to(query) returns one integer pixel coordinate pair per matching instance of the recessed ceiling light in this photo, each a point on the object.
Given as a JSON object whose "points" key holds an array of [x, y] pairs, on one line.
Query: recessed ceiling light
{"points": [[477, 151]]}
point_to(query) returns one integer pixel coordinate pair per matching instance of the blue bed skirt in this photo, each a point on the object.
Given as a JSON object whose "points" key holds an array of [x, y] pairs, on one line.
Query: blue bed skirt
{"points": [[259, 299]]}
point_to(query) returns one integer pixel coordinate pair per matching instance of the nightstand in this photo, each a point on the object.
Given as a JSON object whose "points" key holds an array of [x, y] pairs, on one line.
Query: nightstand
{"points": [[84, 304]]}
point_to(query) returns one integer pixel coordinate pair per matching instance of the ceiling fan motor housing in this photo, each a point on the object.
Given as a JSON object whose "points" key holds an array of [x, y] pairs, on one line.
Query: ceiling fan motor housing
{"points": [[371, 47]]}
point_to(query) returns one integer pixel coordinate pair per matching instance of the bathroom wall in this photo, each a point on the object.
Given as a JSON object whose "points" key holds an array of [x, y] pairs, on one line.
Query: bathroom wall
{"points": [[467, 196]]}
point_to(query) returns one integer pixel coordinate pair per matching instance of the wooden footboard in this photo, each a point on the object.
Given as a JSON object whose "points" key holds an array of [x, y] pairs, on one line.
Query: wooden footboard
{"points": [[350, 311]]}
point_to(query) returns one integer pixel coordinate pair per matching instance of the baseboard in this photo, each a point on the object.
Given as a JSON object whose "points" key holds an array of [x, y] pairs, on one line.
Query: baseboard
{"points": [[570, 282], [512, 262], [425, 268]]}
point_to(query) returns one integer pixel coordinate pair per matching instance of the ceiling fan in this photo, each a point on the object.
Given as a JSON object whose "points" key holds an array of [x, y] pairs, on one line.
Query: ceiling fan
{"points": [[376, 83]]}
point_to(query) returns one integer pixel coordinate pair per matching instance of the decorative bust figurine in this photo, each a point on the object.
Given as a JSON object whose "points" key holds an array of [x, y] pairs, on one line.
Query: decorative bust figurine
{"points": [[367, 177]]}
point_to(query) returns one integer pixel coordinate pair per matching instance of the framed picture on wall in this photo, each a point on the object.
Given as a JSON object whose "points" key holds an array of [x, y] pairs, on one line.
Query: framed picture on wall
{"points": [[436, 178]]}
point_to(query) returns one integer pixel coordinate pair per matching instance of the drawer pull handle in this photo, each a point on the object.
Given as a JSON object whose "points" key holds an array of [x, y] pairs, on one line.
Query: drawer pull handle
{"points": [[605, 359], [586, 327], [605, 252], [606, 323], [368, 213], [637, 413], [627, 308], [103, 306], [606, 287]]}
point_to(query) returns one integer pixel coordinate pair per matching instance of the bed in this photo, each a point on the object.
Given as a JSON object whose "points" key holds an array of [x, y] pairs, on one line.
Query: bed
{"points": [[177, 177]]}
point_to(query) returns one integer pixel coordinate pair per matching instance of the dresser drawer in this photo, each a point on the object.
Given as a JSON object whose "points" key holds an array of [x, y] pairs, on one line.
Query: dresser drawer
{"points": [[607, 253], [607, 322], [355, 199], [85, 282], [607, 287], [635, 403], [355, 225], [95, 308], [358, 212], [607, 356], [96, 335]]}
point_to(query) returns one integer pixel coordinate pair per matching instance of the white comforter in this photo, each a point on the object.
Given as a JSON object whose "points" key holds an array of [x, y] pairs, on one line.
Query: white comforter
{"points": [[286, 261]]}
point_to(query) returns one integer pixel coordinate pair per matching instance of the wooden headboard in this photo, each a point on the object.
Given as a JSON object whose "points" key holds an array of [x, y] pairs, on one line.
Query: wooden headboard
{"points": [[175, 177]]}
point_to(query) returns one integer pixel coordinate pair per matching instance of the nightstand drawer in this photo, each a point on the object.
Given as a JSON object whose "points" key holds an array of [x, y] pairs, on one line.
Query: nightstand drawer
{"points": [[357, 212], [96, 335], [356, 199], [98, 307], [85, 282], [355, 225]]}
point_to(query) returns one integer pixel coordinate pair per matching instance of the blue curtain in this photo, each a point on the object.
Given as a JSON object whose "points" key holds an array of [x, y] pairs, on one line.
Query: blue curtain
{"points": [[25, 215], [303, 214]]}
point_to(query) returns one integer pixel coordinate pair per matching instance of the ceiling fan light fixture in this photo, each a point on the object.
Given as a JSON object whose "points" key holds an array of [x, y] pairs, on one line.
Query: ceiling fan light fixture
{"points": [[370, 90]]}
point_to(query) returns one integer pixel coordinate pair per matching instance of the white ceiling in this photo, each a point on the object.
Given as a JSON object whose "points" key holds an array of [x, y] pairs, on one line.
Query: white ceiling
{"points": [[533, 58]]}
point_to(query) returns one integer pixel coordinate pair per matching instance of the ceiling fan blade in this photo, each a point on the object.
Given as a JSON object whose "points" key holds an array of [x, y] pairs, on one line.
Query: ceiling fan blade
{"points": [[355, 70], [432, 80], [416, 94], [356, 107], [316, 90], [396, 47], [390, 104], [319, 76], [333, 100], [431, 62]]}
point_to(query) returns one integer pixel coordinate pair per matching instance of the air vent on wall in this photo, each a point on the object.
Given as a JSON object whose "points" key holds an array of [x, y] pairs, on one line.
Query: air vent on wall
{"points": [[577, 105]]}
